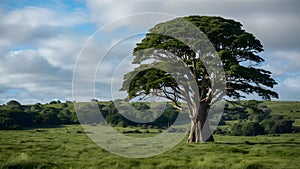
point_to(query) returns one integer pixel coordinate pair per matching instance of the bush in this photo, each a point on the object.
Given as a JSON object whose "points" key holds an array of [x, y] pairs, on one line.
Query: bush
{"points": [[236, 129], [13, 103], [257, 117], [222, 122], [252, 129], [53, 102], [282, 126], [296, 129], [218, 131], [278, 125], [247, 129]]}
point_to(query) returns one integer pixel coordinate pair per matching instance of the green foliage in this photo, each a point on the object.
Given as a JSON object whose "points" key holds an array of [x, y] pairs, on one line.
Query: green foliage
{"points": [[88, 113], [237, 49], [13, 103], [235, 121], [252, 129], [278, 125], [17, 116], [259, 120], [23, 116], [54, 102], [237, 129]]}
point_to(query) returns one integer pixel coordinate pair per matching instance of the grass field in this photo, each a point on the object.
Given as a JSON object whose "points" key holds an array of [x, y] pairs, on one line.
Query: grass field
{"points": [[69, 147], [286, 108]]}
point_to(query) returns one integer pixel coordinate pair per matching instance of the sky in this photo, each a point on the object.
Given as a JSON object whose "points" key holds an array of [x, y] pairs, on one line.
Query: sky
{"points": [[45, 45]]}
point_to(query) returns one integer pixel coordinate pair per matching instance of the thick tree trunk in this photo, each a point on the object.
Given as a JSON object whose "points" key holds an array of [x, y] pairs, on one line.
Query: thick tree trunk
{"points": [[200, 134], [200, 129]]}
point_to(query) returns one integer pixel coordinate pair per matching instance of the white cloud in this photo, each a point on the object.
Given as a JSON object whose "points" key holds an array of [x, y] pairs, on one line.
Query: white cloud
{"points": [[30, 26], [39, 45], [36, 16], [61, 51], [289, 89], [292, 83], [38, 50], [31, 74], [274, 22], [283, 63]]}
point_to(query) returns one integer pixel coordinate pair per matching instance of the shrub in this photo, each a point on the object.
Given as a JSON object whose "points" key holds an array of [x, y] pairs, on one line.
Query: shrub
{"points": [[252, 129], [218, 131], [13, 103], [236, 129], [282, 126], [278, 125], [222, 122], [53, 102], [247, 129]]}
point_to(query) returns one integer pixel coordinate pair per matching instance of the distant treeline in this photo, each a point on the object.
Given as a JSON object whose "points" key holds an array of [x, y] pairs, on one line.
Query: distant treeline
{"points": [[13, 115], [253, 119], [235, 120]]}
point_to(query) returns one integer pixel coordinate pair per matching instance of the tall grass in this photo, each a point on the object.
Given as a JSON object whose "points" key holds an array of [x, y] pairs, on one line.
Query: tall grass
{"points": [[69, 147]]}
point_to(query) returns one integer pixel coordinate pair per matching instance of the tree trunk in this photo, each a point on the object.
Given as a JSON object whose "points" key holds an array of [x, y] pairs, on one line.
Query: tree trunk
{"points": [[195, 133], [200, 130]]}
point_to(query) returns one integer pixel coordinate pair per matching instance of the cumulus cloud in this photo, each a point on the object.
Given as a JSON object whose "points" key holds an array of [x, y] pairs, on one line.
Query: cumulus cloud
{"points": [[29, 26], [283, 63], [289, 88], [292, 82], [39, 44], [275, 23], [61, 51], [27, 72], [38, 50]]}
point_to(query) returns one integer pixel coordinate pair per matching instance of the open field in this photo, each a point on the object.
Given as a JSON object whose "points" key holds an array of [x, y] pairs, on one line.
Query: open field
{"points": [[287, 108], [69, 147]]}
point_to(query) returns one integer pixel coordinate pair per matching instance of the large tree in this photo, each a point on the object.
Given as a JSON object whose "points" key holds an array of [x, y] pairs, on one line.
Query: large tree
{"points": [[235, 51]]}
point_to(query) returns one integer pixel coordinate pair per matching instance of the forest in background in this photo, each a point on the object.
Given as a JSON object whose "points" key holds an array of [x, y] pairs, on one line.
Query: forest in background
{"points": [[263, 117]]}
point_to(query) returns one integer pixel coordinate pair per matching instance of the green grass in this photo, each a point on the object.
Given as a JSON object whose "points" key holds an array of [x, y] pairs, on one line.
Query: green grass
{"points": [[69, 147], [286, 108]]}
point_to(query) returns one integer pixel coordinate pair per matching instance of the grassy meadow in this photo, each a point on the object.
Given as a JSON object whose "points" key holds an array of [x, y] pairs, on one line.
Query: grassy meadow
{"points": [[67, 146]]}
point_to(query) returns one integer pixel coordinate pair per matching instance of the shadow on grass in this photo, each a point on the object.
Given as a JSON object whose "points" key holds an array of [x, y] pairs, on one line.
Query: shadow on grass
{"points": [[42, 127], [29, 165]]}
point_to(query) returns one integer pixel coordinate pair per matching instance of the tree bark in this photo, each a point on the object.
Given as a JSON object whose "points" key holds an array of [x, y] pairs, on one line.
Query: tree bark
{"points": [[200, 128]]}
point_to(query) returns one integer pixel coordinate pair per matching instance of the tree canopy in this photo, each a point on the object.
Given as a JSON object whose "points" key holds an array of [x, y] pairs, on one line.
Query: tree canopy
{"points": [[224, 45]]}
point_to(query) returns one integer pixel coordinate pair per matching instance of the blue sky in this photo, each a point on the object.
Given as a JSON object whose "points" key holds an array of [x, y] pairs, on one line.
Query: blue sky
{"points": [[41, 40]]}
